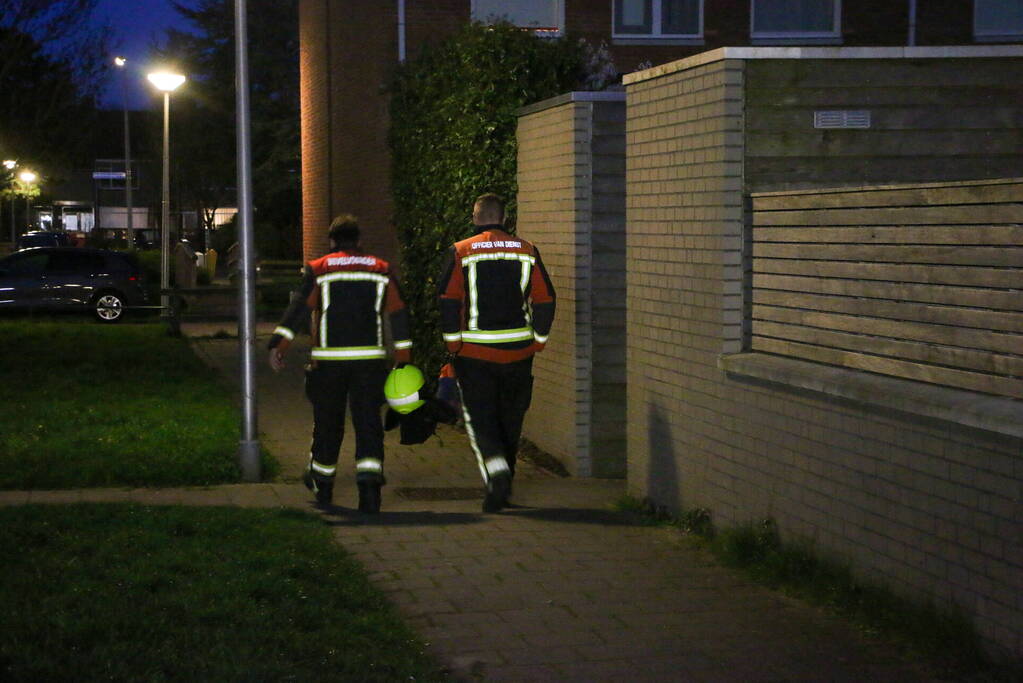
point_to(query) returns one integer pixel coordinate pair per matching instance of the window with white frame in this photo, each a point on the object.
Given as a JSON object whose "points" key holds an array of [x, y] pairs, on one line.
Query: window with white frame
{"points": [[539, 15], [796, 19], [658, 18], [997, 19]]}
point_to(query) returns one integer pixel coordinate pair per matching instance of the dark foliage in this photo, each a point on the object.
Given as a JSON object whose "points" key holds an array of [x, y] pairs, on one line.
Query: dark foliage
{"points": [[43, 109], [204, 115], [453, 118]]}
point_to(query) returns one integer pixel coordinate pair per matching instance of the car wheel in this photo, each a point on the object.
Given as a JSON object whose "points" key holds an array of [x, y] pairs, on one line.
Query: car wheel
{"points": [[108, 307]]}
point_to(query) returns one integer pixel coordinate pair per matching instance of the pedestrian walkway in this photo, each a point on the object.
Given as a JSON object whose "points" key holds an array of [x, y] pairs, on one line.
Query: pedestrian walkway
{"points": [[556, 588]]}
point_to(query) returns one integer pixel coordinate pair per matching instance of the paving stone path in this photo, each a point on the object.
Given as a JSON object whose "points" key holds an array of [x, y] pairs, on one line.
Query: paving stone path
{"points": [[556, 588]]}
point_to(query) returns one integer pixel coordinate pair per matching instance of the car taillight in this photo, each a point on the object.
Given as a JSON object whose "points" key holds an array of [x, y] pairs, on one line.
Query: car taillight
{"points": [[132, 278]]}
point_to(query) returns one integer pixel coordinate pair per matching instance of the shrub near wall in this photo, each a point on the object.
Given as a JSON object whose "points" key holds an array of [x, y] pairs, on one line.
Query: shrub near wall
{"points": [[453, 138]]}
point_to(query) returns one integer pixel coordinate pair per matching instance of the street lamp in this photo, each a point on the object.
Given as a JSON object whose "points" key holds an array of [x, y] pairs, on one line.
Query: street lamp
{"points": [[10, 165], [130, 234], [167, 83], [28, 177]]}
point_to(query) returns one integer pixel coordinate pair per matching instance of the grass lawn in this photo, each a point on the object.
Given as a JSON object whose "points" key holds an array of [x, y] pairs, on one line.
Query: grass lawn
{"points": [[125, 592], [82, 404]]}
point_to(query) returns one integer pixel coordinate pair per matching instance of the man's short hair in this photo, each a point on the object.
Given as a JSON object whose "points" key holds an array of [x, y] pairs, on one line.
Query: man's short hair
{"points": [[489, 205], [344, 229]]}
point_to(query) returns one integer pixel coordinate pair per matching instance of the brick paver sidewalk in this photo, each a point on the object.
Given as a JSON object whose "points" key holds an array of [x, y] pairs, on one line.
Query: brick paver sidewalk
{"points": [[556, 588]]}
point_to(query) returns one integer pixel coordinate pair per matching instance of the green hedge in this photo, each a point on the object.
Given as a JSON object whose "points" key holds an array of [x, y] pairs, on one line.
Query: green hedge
{"points": [[453, 119], [149, 261]]}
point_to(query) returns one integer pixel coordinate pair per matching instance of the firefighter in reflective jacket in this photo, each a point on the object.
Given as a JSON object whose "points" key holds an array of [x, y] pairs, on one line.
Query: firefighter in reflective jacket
{"points": [[344, 296], [497, 306]]}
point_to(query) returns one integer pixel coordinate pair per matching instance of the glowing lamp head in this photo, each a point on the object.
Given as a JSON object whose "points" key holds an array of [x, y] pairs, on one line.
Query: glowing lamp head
{"points": [[120, 61], [27, 177], [166, 81], [9, 164]]}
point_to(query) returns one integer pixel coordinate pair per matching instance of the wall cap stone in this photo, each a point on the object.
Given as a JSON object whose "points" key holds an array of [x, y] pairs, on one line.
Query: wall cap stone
{"points": [[980, 411], [574, 96], [722, 53]]}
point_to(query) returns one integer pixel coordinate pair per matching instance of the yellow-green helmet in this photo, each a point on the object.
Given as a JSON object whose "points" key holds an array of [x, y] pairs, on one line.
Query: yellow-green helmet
{"points": [[401, 389]]}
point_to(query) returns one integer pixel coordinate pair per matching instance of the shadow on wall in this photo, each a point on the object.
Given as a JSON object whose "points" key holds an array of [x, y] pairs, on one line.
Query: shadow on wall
{"points": [[662, 470]]}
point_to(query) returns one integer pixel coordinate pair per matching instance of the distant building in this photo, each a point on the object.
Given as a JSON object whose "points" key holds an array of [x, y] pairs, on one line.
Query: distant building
{"points": [[92, 200], [91, 197], [348, 51]]}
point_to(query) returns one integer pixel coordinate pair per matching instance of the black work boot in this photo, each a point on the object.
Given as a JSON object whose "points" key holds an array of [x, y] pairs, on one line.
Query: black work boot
{"points": [[369, 497], [498, 490], [324, 491]]}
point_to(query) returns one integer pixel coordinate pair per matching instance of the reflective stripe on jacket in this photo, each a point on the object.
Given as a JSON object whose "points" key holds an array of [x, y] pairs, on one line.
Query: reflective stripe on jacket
{"points": [[496, 299], [343, 298]]}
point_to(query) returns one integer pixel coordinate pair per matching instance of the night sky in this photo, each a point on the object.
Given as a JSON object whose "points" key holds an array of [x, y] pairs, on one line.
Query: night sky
{"points": [[136, 25]]}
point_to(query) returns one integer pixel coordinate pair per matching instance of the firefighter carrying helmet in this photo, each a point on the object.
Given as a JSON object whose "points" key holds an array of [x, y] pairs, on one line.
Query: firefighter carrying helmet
{"points": [[402, 389]]}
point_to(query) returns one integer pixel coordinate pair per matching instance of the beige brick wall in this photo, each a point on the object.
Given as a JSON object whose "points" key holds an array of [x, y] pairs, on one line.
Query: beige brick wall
{"points": [[551, 200], [571, 204], [930, 508], [684, 205], [607, 244]]}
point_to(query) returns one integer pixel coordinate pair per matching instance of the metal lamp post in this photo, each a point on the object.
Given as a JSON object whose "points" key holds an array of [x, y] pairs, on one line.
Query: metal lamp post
{"points": [[10, 165], [28, 177], [248, 448], [130, 235], [167, 83]]}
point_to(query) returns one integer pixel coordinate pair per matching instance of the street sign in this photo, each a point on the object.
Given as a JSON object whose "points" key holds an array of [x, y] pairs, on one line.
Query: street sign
{"points": [[108, 175]]}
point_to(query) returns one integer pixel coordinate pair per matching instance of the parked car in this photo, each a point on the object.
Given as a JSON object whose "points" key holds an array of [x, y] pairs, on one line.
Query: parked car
{"points": [[43, 238], [106, 283]]}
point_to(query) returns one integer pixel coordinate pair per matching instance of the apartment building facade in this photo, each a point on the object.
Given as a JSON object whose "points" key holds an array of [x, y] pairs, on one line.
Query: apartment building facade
{"points": [[349, 49]]}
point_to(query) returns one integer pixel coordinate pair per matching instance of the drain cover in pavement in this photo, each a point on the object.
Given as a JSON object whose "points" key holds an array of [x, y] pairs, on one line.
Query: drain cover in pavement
{"points": [[440, 493]]}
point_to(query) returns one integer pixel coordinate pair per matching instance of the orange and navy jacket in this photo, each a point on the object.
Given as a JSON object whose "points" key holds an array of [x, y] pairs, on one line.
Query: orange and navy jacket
{"points": [[496, 299], [344, 296]]}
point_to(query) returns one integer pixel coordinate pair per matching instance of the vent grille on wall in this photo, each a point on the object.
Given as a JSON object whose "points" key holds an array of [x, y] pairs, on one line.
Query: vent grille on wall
{"points": [[841, 119]]}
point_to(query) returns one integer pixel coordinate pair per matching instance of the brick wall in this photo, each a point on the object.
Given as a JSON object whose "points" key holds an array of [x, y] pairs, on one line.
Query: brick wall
{"points": [[348, 53], [727, 22], [363, 50], [607, 256], [684, 207], [571, 203], [928, 507], [315, 126], [552, 194], [428, 22], [349, 49], [593, 21], [945, 22]]}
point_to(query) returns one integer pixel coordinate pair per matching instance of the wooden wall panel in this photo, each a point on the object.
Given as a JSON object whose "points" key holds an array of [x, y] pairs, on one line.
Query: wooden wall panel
{"points": [[874, 279]]}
